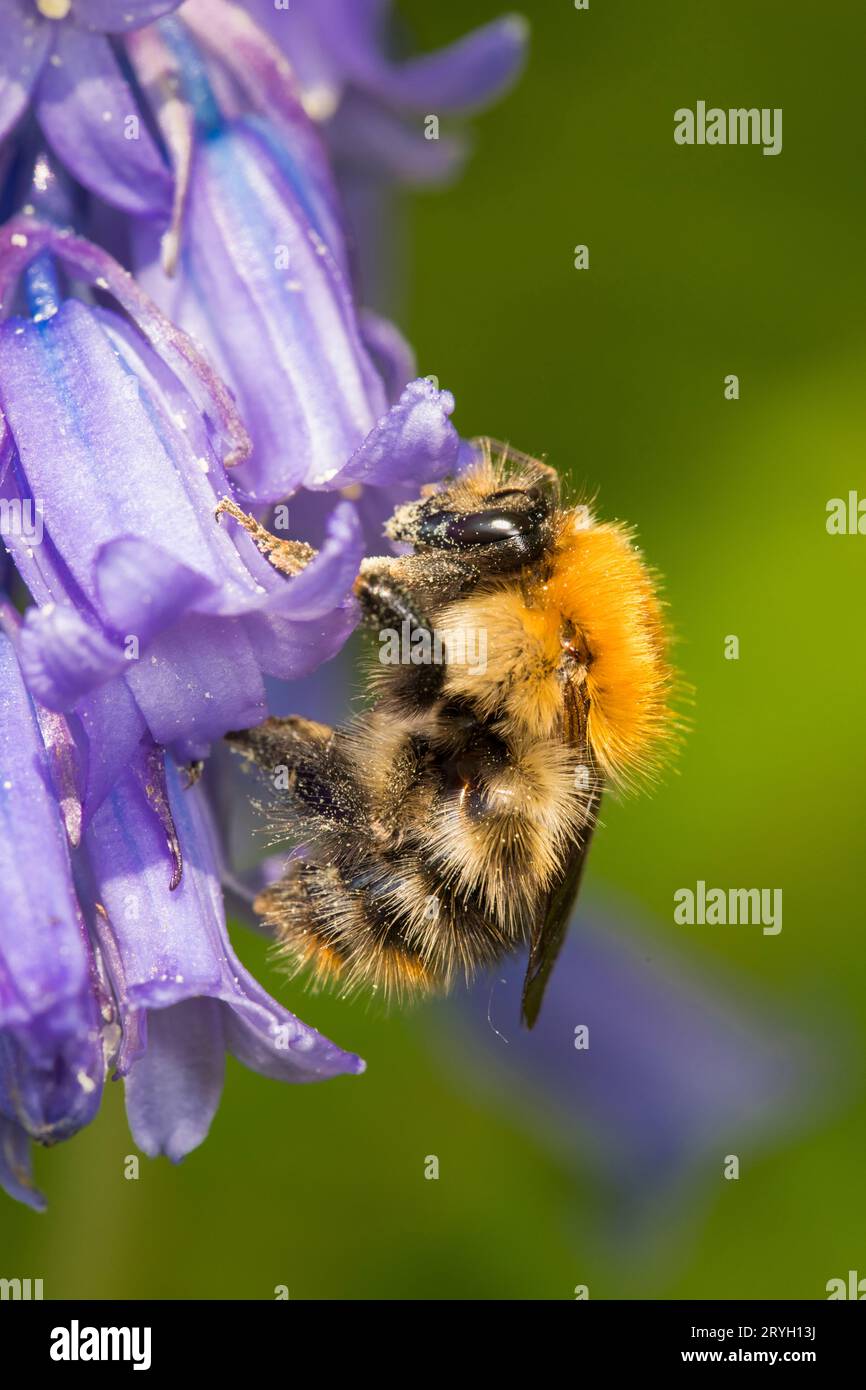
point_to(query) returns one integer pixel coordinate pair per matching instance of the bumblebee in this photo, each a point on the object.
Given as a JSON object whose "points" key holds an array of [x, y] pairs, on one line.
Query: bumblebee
{"points": [[449, 824]]}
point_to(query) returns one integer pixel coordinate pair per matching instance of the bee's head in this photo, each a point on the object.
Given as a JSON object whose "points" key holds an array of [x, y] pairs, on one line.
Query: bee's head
{"points": [[495, 514]]}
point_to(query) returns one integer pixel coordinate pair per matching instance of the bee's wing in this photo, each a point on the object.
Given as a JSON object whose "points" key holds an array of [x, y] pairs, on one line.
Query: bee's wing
{"points": [[547, 939], [549, 933]]}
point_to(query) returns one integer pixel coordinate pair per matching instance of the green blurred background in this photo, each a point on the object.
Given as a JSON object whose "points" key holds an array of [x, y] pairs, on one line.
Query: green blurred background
{"points": [[703, 262]]}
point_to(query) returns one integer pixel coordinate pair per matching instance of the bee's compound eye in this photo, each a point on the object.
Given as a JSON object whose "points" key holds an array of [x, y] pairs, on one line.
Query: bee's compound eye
{"points": [[446, 529]]}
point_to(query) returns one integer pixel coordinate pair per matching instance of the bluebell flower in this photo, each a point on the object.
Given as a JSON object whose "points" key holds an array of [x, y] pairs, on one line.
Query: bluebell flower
{"points": [[51, 1064], [374, 106], [387, 120], [217, 364], [63, 58], [129, 431], [87, 71], [260, 287], [124, 967], [263, 280], [182, 997], [152, 624]]}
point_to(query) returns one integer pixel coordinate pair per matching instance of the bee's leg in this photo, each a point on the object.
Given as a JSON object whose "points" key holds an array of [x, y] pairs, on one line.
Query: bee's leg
{"points": [[385, 600], [307, 761]]}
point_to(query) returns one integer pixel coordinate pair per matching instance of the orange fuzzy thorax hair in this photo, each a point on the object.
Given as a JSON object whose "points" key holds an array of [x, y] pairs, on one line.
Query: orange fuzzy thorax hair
{"points": [[601, 584], [597, 596]]}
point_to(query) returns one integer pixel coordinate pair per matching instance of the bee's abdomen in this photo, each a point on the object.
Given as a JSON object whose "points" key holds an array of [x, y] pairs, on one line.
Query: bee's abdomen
{"points": [[443, 863], [381, 920]]}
